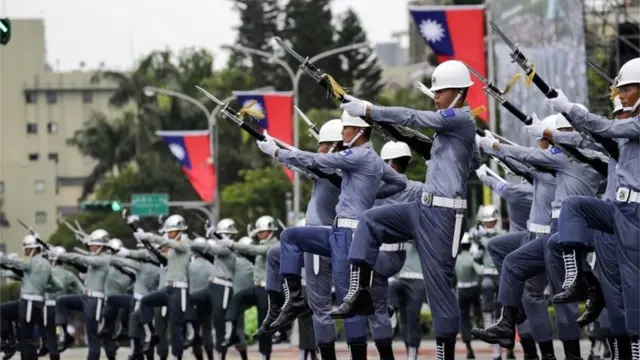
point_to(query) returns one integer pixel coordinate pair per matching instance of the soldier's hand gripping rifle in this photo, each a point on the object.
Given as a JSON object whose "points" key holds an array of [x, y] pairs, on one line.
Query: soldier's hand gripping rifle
{"points": [[132, 221], [237, 118], [505, 165], [610, 145], [313, 129], [417, 141]]}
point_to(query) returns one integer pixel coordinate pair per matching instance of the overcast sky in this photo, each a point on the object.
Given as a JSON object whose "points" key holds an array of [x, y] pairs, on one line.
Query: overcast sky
{"points": [[117, 31]]}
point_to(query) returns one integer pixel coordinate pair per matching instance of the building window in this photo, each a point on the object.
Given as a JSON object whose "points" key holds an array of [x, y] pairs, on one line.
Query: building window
{"points": [[41, 217], [32, 128], [52, 97], [30, 97], [4, 223], [34, 156], [38, 186], [87, 97], [1, 187], [52, 127], [53, 157]]}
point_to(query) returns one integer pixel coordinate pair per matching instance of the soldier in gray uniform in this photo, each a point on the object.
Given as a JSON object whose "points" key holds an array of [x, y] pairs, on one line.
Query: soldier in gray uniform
{"points": [[220, 279], [9, 313], [468, 273], [485, 229], [573, 178], [176, 295], [264, 231], [70, 285], [242, 280], [362, 173], [147, 268], [435, 220], [199, 314], [92, 301], [116, 287], [36, 277]]}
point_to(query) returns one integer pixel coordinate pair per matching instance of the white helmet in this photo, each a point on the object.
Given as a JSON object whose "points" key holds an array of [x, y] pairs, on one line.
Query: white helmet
{"points": [[550, 122], [301, 222], [562, 122], [331, 131], [245, 241], [30, 242], [394, 149], [199, 240], [466, 239], [629, 73], [487, 213], [265, 223], [617, 105], [115, 244], [348, 120], [226, 226], [98, 237], [174, 223], [452, 74], [55, 252]]}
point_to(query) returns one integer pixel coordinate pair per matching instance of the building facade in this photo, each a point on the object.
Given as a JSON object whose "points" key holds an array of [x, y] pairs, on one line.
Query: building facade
{"points": [[41, 176]]}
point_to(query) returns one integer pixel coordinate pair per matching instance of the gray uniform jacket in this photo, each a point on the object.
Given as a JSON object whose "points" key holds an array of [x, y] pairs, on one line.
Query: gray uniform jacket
{"points": [[518, 196], [260, 252], [70, 283], [37, 274], [200, 269], [225, 260], [97, 269], [117, 282], [467, 271], [147, 274], [243, 276], [178, 257]]}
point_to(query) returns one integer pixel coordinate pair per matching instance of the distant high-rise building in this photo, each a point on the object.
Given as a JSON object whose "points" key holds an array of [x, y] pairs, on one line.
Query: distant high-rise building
{"points": [[390, 54]]}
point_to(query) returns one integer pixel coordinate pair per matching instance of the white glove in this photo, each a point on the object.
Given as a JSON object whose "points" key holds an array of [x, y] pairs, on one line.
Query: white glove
{"points": [[123, 252], [536, 129], [489, 135], [481, 171], [478, 138], [268, 146], [354, 107], [226, 242], [141, 235], [486, 143], [560, 103], [132, 218]]}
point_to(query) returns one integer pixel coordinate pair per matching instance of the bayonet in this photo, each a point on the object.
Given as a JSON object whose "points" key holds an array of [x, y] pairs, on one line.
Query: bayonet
{"points": [[600, 71], [424, 89], [34, 234], [495, 175], [313, 129], [305, 65], [282, 225], [80, 228]]}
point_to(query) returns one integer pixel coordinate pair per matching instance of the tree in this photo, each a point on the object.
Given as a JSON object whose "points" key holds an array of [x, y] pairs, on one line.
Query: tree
{"points": [[360, 68], [258, 24], [110, 143]]}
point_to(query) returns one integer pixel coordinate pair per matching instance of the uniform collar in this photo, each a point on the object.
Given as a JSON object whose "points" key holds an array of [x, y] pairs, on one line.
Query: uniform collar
{"points": [[368, 144], [465, 108]]}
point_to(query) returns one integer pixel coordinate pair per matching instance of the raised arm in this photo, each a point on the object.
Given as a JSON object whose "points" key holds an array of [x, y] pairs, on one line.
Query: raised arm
{"points": [[392, 183], [344, 160], [626, 128], [210, 249], [15, 263], [447, 120], [84, 260], [553, 158], [126, 263], [179, 246], [8, 274], [252, 249]]}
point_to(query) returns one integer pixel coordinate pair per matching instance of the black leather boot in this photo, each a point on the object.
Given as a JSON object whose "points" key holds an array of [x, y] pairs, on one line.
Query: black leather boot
{"points": [[510, 354], [150, 337], [572, 350], [294, 303], [445, 348], [358, 351], [622, 347], [358, 300], [529, 349], [575, 287], [385, 349], [327, 351], [274, 307], [502, 332], [522, 316], [230, 335], [595, 301], [547, 352], [635, 347], [470, 353]]}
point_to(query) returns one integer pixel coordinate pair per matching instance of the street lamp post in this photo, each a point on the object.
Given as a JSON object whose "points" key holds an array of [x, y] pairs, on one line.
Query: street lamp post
{"points": [[295, 80], [151, 91]]}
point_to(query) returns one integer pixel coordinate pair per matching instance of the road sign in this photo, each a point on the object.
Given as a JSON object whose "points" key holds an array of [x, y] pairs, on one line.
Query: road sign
{"points": [[149, 205]]}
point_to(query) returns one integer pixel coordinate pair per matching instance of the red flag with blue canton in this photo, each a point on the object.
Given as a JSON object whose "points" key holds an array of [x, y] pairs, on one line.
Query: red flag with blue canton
{"points": [[456, 33], [277, 107], [192, 150]]}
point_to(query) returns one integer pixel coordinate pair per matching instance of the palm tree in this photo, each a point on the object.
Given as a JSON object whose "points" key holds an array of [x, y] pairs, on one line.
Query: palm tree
{"points": [[110, 143]]}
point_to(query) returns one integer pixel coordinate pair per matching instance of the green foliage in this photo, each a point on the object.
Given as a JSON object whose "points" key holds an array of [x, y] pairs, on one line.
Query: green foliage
{"points": [[360, 69], [251, 323]]}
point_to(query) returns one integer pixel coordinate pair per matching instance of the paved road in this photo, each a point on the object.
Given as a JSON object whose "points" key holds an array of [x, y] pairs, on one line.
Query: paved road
{"points": [[286, 352]]}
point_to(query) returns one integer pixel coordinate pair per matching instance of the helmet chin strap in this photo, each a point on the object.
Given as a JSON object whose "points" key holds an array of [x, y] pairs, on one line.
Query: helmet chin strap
{"points": [[333, 147], [353, 140], [455, 99]]}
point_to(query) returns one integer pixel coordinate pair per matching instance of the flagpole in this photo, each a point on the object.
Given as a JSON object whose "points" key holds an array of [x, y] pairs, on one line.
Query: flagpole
{"points": [[493, 118]]}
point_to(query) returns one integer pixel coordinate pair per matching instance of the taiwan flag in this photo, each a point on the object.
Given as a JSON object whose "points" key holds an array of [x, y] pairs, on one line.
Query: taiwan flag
{"points": [[192, 150], [277, 108], [456, 33]]}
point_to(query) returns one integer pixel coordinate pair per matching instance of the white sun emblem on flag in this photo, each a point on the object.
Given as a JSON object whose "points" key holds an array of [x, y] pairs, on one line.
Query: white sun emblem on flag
{"points": [[256, 105], [177, 151], [431, 30]]}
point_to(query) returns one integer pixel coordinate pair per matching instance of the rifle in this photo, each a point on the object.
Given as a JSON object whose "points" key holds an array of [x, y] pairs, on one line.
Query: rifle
{"points": [[159, 256], [237, 117], [34, 234], [610, 145], [313, 129], [416, 140]]}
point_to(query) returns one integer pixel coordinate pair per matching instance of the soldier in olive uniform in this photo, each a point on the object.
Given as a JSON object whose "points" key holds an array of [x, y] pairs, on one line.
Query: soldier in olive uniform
{"points": [[265, 228]]}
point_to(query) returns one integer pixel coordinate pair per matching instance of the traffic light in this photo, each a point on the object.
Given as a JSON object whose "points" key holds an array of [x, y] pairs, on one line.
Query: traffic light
{"points": [[5, 31], [107, 206]]}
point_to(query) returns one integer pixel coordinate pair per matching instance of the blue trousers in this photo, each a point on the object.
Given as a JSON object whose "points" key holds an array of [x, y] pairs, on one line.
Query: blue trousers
{"points": [[432, 228], [172, 298], [580, 214], [91, 308], [317, 271], [113, 305], [387, 265], [533, 300], [408, 295]]}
